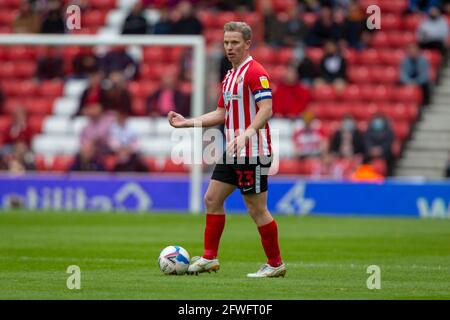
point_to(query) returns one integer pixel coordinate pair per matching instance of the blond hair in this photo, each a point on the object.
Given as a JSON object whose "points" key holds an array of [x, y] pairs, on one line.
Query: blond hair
{"points": [[238, 26]]}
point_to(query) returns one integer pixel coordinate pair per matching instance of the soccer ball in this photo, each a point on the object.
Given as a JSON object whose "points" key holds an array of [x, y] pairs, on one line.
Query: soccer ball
{"points": [[173, 260]]}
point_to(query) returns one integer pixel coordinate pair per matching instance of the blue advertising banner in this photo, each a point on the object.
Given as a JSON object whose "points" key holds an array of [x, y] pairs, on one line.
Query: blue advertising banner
{"points": [[171, 193]]}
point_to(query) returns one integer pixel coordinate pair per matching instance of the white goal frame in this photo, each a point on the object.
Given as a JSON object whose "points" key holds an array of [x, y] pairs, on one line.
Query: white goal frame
{"points": [[198, 79]]}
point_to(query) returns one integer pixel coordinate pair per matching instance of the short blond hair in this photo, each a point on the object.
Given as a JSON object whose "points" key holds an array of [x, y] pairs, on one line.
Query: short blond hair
{"points": [[238, 26]]}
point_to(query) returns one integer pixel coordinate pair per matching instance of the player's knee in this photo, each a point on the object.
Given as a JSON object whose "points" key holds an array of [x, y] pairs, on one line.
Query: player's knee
{"points": [[211, 202]]}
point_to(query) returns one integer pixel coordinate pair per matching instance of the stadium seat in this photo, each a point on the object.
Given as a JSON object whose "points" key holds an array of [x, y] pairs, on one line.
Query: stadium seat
{"points": [[35, 122], [392, 57], [54, 145], [55, 125], [391, 22], [103, 4], [323, 93], [364, 111], [20, 52], [5, 122], [51, 88], [62, 163], [153, 54], [264, 54], [109, 162], [290, 166], [142, 89], [381, 93], [412, 21], [139, 106], [351, 92], [315, 54], [65, 106], [385, 75], [284, 56], [409, 93], [170, 166], [78, 124], [379, 165], [401, 129], [141, 125], [369, 57]]}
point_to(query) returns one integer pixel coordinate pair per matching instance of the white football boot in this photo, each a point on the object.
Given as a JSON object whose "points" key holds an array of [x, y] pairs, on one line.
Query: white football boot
{"points": [[267, 271], [200, 264]]}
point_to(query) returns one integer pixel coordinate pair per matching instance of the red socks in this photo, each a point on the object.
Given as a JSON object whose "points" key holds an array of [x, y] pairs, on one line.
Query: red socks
{"points": [[269, 240], [213, 231]]}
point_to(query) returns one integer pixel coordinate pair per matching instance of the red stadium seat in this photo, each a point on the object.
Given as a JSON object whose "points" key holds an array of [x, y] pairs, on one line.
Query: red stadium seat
{"points": [[379, 40], [351, 92], [358, 75], [109, 162], [226, 16], [400, 39], [408, 93], [103, 4], [324, 93], [208, 19], [381, 93], [142, 89], [309, 18], [401, 129], [379, 165], [350, 55], [264, 54], [284, 55], [433, 57], [369, 57], [139, 106], [36, 122], [396, 7], [62, 163], [364, 112], [391, 57], [170, 166], [213, 36], [51, 88], [41, 162], [5, 122], [153, 54], [412, 21], [151, 163], [38, 106], [391, 21], [7, 17], [315, 54], [396, 148], [16, 53], [290, 166], [25, 69], [385, 75]]}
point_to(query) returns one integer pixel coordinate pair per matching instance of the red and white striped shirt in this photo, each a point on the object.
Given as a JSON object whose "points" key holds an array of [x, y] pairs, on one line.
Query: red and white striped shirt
{"points": [[241, 90]]}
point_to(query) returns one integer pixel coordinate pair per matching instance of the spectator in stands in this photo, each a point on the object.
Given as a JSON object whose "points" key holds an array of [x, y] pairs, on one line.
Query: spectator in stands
{"points": [[27, 21], [414, 69], [96, 132], [378, 140], [347, 141], [187, 22], [333, 66], [115, 96], [117, 59], [17, 132], [87, 159], [306, 69], [290, 98], [273, 29], [85, 63], [168, 98], [309, 139], [2, 99], [123, 142], [294, 29], [53, 21], [135, 22], [186, 65], [325, 29], [93, 92], [422, 5], [237, 5], [50, 65], [433, 32], [164, 25], [354, 26], [21, 159]]}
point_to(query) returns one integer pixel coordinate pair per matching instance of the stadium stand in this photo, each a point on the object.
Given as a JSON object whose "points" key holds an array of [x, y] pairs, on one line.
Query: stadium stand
{"points": [[372, 84]]}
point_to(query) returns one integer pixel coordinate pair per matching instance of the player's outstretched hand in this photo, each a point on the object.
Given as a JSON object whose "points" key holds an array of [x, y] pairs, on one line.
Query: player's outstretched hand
{"points": [[176, 120]]}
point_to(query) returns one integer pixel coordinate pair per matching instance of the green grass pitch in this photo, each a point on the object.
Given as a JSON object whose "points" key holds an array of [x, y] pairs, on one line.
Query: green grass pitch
{"points": [[326, 257]]}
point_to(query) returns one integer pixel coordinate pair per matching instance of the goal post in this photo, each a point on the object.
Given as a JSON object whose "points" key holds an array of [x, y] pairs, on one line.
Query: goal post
{"points": [[198, 77]]}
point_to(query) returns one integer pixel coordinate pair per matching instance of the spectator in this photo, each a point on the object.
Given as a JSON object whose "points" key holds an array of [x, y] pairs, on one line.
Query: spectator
{"points": [[422, 5], [27, 21], [333, 66], [354, 26], [119, 60], [414, 69], [2, 100], [53, 21], [115, 96], [273, 32], [135, 23], [237, 5], [306, 69], [433, 32], [309, 139], [187, 22], [294, 30], [85, 63], [21, 159], [123, 142], [168, 98], [87, 159], [92, 94], [348, 141], [325, 29], [164, 25], [186, 65], [378, 140], [290, 98], [17, 132], [50, 65], [96, 131]]}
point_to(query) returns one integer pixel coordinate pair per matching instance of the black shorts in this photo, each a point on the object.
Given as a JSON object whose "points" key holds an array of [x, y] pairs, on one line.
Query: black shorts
{"points": [[248, 174]]}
